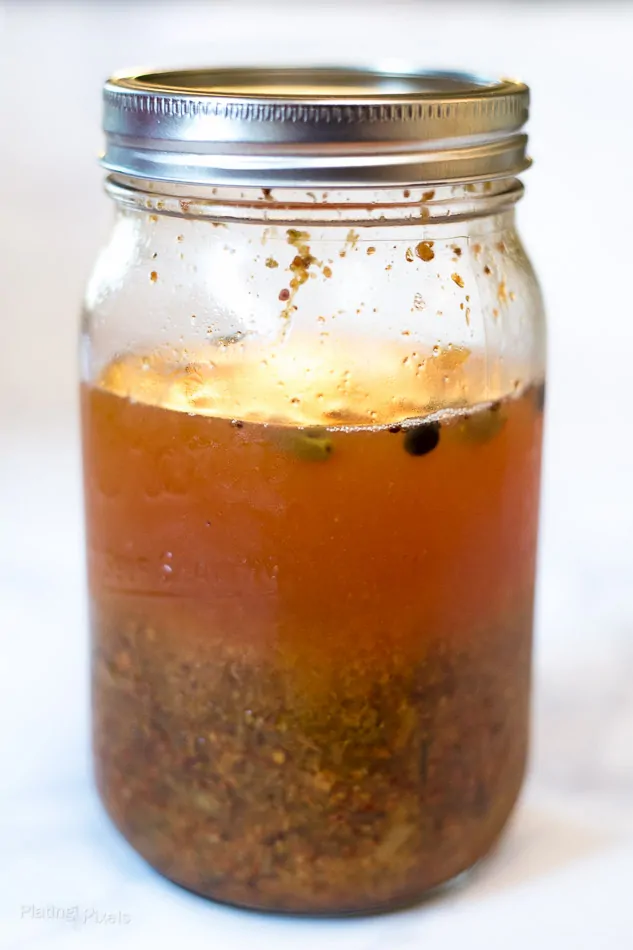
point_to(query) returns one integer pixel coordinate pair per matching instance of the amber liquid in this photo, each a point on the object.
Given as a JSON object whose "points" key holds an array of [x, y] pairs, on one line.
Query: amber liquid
{"points": [[311, 647]]}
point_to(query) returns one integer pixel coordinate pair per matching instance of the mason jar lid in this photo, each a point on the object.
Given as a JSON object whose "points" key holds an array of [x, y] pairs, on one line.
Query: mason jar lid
{"points": [[313, 126]]}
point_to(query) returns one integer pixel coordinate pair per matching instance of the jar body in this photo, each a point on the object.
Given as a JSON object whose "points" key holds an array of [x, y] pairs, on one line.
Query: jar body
{"points": [[312, 456]]}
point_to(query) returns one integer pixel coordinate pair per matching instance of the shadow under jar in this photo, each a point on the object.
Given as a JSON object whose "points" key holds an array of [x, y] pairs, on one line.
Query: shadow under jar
{"points": [[312, 397]]}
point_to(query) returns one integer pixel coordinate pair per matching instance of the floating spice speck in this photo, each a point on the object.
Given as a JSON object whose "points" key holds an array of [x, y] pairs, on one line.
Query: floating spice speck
{"points": [[271, 262], [457, 279], [481, 426], [310, 445]]}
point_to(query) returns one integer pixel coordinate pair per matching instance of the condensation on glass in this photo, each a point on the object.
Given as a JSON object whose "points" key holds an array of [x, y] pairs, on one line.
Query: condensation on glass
{"points": [[313, 385]]}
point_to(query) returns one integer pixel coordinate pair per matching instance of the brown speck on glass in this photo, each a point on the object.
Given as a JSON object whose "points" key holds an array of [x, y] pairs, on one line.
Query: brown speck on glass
{"points": [[457, 280], [153, 276], [425, 251]]}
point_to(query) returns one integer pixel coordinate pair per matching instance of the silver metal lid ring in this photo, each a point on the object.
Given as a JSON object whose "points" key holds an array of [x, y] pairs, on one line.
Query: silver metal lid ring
{"points": [[317, 126]]}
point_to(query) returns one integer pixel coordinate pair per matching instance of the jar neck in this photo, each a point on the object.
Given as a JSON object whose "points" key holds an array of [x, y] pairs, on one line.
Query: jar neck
{"points": [[348, 207]]}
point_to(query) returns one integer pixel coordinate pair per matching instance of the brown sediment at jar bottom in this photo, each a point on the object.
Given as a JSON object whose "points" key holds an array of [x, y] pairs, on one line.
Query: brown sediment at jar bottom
{"points": [[234, 780], [423, 892]]}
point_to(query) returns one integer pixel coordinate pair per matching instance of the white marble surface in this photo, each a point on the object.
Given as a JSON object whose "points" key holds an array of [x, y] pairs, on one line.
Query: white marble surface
{"points": [[562, 877]]}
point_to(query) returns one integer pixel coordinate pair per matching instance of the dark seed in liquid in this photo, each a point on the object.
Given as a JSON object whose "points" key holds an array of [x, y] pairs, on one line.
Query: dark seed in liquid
{"points": [[422, 439], [395, 429]]}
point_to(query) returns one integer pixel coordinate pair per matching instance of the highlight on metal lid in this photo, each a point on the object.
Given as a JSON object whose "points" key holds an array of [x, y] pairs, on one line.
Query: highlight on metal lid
{"points": [[313, 126]]}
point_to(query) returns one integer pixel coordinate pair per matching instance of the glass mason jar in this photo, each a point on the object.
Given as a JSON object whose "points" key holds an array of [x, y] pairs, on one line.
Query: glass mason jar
{"points": [[313, 384]]}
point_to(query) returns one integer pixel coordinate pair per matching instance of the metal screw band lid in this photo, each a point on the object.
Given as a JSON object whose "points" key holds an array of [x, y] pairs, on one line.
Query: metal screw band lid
{"points": [[321, 126]]}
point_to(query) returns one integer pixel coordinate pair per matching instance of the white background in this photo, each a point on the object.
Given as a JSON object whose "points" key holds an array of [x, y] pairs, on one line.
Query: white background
{"points": [[562, 877]]}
